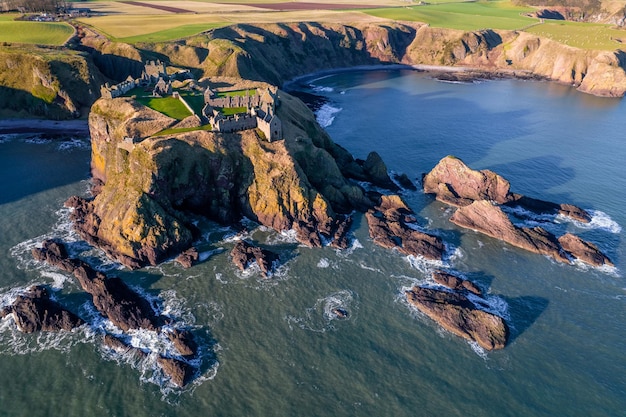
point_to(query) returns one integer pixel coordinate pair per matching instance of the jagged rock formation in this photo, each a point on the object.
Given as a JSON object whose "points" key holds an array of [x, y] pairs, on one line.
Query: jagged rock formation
{"points": [[244, 253], [389, 226], [34, 311], [455, 313], [479, 194], [584, 251], [456, 184], [113, 299], [111, 296], [487, 218], [151, 182]]}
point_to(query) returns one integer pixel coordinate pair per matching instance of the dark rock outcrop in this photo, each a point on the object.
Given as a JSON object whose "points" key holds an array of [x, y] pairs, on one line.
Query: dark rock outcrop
{"points": [[405, 182], [584, 251], [489, 219], [34, 311], [389, 227], [179, 372], [188, 258], [456, 283], [376, 171], [455, 313], [111, 296], [244, 253], [183, 341]]}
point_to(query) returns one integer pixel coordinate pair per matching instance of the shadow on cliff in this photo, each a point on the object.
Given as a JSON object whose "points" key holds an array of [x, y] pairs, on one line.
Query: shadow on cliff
{"points": [[524, 311], [325, 49]]}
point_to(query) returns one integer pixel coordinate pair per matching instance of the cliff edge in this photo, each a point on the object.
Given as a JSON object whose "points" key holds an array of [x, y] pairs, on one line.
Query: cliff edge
{"points": [[152, 186]]}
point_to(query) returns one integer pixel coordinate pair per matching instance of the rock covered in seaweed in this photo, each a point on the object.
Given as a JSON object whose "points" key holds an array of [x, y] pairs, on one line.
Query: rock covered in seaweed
{"points": [[455, 313]]}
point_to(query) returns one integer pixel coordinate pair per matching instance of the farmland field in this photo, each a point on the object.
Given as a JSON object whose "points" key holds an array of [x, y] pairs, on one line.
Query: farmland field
{"points": [[581, 35], [463, 16], [41, 33]]}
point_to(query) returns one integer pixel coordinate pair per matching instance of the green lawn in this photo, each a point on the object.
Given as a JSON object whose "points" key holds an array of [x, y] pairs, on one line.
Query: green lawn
{"points": [[40, 33], [174, 131], [234, 93], [196, 101], [169, 106], [463, 16], [179, 32], [233, 110]]}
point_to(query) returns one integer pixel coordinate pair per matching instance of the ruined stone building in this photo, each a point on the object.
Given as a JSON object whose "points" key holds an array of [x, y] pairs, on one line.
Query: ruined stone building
{"points": [[260, 113], [117, 90]]}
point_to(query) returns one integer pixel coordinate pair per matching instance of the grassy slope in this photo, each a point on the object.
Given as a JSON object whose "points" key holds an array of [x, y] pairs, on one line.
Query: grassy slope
{"points": [[169, 106]]}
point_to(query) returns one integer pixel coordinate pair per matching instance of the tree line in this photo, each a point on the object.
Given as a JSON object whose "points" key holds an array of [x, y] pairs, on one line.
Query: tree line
{"points": [[36, 6]]}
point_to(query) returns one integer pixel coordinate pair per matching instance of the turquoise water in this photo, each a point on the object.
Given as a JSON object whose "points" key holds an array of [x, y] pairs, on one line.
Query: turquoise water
{"points": [[272, 348]]}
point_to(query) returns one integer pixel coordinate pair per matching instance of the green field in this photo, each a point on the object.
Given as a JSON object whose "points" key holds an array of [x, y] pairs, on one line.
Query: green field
{"points": [[463, 16], [582, 35], [40, 33], [169, 106]]}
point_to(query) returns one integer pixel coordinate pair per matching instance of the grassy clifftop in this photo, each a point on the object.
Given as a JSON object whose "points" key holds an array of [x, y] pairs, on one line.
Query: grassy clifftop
{"points": [[47, 83]]}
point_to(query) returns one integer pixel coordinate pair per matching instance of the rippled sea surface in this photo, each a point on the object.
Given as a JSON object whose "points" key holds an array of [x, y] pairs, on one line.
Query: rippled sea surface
{"points": [[274, 347]]}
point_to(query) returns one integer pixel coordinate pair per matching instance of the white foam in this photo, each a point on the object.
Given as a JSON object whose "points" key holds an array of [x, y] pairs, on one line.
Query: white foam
{"points": [[323, 263], [321, 317], [600, 220], [74, 143], [322, 89], [325, 115], [58, 280]]}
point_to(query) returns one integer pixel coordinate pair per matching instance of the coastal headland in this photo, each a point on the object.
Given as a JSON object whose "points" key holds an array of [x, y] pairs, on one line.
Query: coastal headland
{"points": [[155, 173]]}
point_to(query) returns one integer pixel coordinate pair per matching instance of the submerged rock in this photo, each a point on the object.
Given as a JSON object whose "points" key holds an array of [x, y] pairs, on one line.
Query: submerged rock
{"points": [[34, 311], [456, 283], [455, 313], [389, 227]]}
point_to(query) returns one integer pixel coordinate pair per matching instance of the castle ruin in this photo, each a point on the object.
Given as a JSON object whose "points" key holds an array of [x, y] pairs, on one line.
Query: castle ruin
{"points": [[260, 105]]}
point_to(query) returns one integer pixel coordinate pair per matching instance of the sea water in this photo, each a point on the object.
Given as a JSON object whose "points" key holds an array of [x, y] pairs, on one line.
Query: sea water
{"points": [[273, 347]]}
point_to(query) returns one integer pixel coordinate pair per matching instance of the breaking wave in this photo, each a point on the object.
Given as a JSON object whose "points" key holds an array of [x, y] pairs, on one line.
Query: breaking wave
{"points": [[325, 115]]}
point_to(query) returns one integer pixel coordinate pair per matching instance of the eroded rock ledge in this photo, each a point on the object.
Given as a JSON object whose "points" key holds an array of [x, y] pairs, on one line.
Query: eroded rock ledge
{"points": [[480, 195], [126, 309]]}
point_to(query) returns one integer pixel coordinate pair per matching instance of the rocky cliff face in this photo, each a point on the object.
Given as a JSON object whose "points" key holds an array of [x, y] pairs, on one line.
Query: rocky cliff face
{"points": [[151, 187], [279, 52]]}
